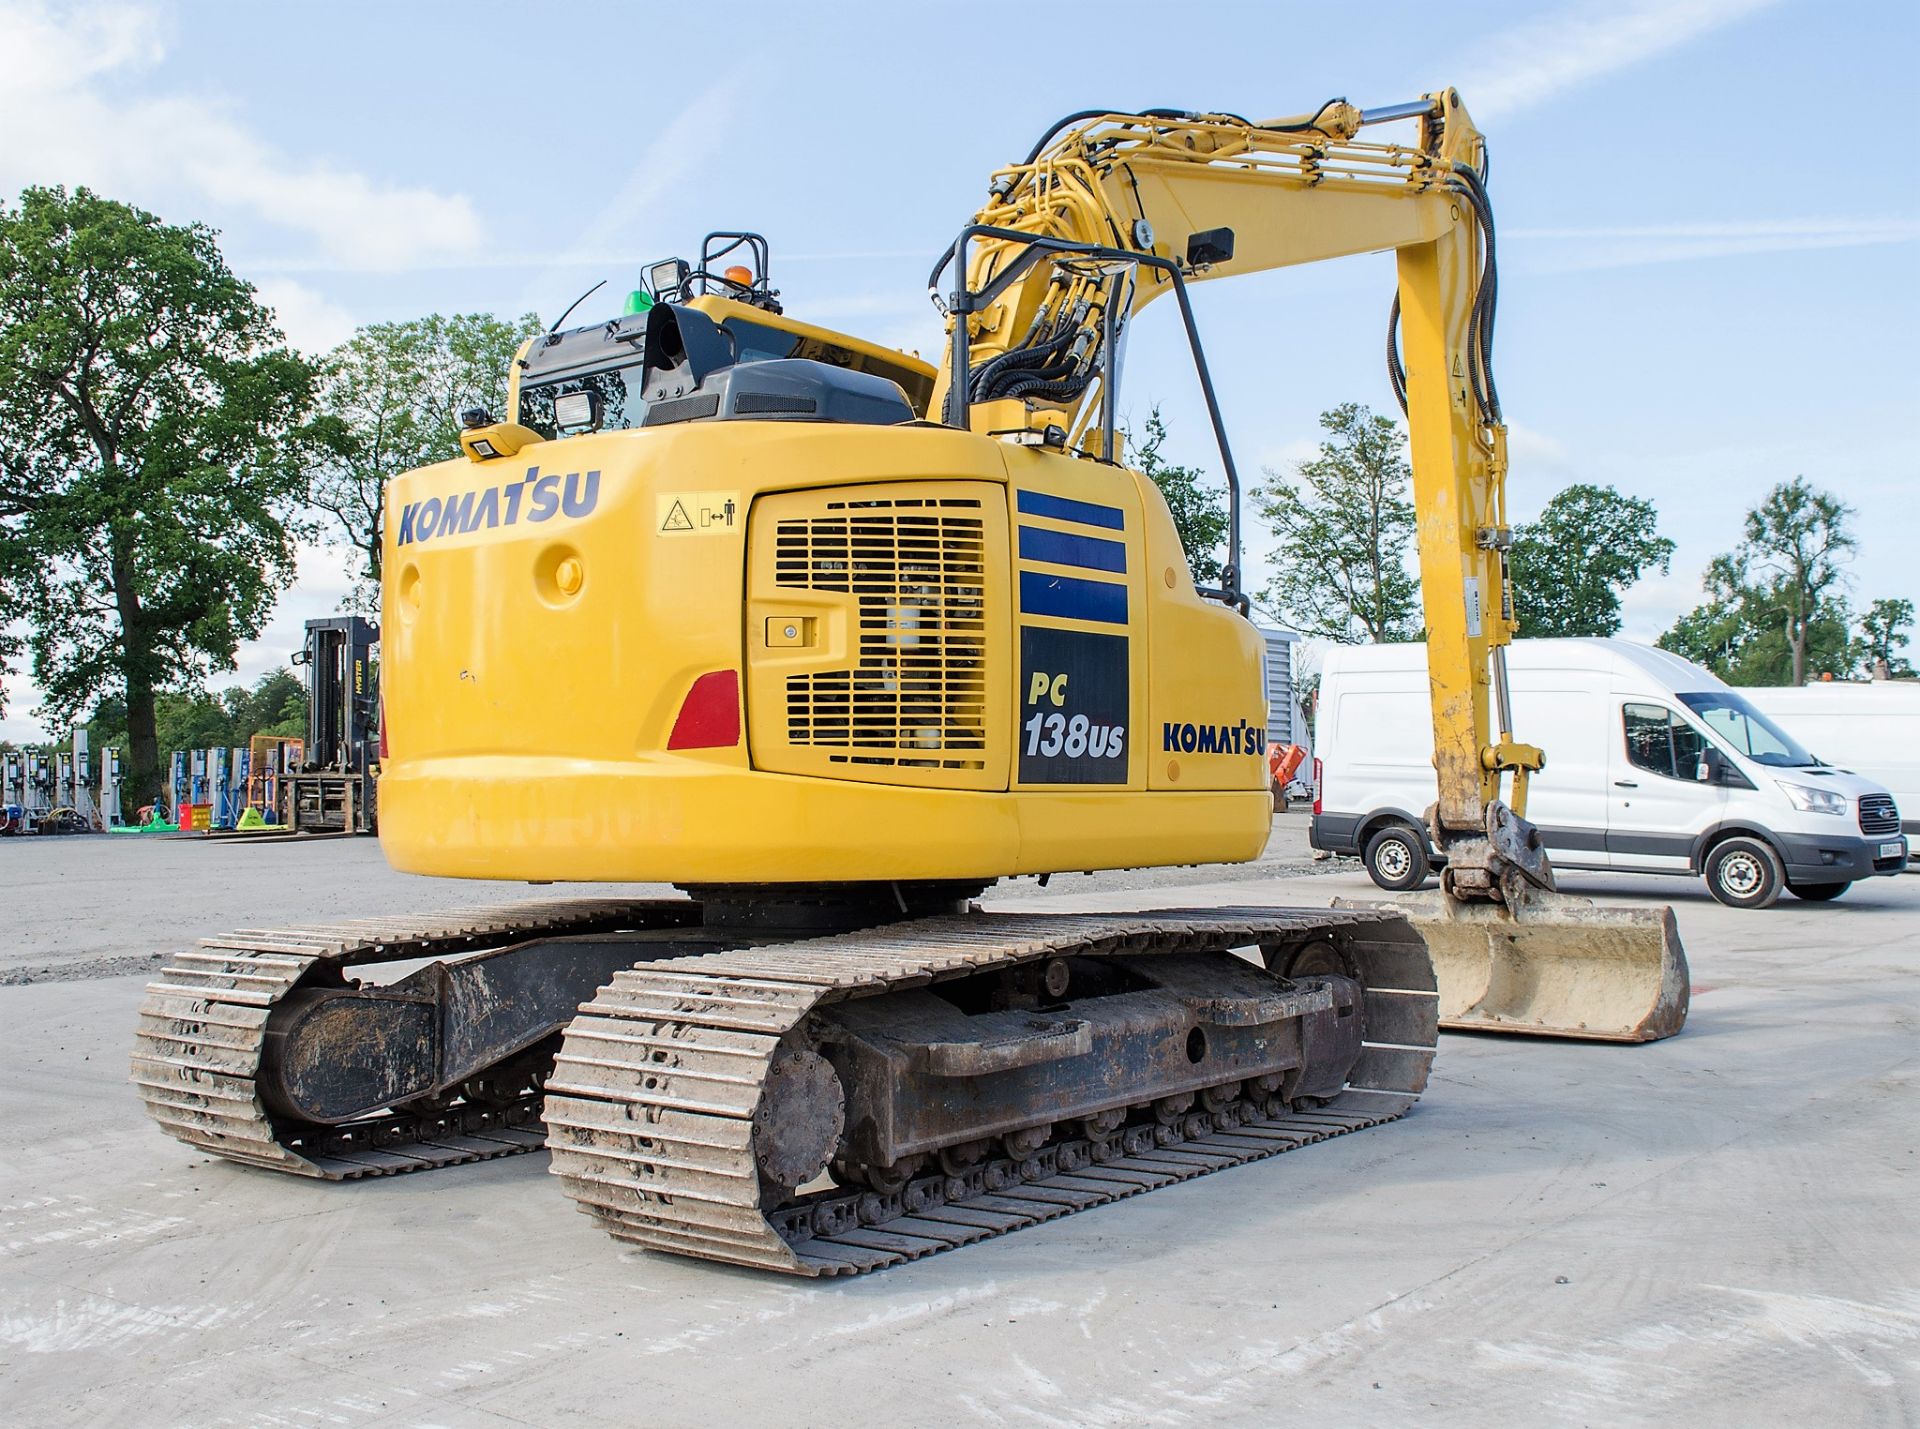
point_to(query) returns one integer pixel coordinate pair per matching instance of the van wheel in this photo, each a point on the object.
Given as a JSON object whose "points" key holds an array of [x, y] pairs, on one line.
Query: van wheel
{"points": [[1397, 858], [1745, 873], [1818, 892]]}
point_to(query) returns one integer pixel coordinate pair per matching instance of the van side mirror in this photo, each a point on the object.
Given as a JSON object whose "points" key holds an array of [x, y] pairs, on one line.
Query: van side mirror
{"points": [[1710, 768]]}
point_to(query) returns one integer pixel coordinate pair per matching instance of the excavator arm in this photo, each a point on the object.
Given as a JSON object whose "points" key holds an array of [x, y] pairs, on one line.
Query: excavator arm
{"points": [[1110, 211]]}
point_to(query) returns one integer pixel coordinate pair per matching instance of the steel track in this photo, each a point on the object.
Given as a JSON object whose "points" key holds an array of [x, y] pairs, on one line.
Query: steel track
{"points": [[649, 1108], [202, 1038]]}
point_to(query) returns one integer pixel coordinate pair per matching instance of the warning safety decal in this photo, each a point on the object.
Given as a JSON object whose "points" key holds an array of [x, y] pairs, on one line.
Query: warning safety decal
{"points": [[699, 513]]}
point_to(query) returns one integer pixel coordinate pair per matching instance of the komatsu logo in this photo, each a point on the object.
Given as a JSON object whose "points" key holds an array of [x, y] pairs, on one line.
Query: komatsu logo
{"points": [[1241, 738], [533, 498]]}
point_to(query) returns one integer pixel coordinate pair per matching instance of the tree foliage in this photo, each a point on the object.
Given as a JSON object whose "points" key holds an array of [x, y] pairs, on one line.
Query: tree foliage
{"points": [[392, 400], [1344, 520], [1199, 508], [151, 453], [15, 558], [1737, 638], [1883, 635], [1571, 566], [1775, 609], [275, 704]]}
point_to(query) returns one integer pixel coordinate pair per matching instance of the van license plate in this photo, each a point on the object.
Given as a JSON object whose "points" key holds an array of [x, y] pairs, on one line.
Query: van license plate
{"points": [[1896, 849]]}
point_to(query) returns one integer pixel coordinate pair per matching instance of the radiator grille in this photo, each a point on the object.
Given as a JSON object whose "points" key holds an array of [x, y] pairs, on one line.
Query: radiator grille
{"points": [[1878, 817], [916, 696]]}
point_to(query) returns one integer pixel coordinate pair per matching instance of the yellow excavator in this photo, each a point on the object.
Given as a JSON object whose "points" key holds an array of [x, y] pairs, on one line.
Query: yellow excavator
{"points": [[832, 639]]}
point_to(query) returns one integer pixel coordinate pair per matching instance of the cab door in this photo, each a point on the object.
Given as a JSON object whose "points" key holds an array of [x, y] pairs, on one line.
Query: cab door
{"points": [[1657, 807]]}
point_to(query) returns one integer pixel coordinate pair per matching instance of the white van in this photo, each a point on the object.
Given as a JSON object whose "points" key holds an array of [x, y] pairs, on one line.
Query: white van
{"points": [[1653, 765], [1871, 728]]}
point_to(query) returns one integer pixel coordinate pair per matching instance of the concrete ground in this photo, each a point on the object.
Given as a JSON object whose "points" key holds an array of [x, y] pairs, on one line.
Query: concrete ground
{"points": [[93, 907], [1714, 1230]]}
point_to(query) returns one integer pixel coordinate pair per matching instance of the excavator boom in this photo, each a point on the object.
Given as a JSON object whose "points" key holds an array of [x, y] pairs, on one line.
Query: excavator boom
{"points": [[1109, 212]]}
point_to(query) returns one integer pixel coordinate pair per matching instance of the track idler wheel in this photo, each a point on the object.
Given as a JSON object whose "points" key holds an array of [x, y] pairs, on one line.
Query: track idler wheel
{"points": [[798, 1122]]}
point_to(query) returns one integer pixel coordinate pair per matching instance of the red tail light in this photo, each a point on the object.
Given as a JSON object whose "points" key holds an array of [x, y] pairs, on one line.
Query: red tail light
{"points": [[1319, 785], [710, 716], [383, 729]]}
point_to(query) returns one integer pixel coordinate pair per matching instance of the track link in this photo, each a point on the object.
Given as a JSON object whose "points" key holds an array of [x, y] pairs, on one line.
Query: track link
{"points": [[202, 1038], [650, 1105]]}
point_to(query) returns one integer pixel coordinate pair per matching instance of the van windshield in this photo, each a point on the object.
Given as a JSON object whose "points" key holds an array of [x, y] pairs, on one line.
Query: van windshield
{"points": [[1747, 731]]}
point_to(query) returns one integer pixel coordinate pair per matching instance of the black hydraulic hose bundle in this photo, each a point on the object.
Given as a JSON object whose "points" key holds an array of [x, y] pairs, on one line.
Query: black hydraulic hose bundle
{"points": [[985, 380], [1396, 370], [1471, 186], [1053, 391], [1080, 116], [1487, 296]]}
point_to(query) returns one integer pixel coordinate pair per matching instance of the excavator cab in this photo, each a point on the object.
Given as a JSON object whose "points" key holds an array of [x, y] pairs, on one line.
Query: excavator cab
{"points": [[682, 326]]}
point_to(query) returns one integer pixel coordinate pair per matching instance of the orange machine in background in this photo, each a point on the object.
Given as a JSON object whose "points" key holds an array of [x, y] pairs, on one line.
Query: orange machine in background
{"points": [[1283, 762]]}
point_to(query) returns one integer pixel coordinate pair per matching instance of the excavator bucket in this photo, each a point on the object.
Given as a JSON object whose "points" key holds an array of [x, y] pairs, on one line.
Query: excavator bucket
{"points": [[1556, 966]]}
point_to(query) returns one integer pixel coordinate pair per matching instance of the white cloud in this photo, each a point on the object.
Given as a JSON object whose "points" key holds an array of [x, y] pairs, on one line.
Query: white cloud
{"points": [[320, 587], [676, 152], [1284, 457], [313, 323], [561, 259], [1589, 249], [70, 115], [1529, 448], [1653, 603], [1544, 58]]}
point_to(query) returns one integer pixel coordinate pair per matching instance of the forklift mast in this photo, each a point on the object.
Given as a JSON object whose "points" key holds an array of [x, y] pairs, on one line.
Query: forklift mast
{"points": [[333, 789], [343, 697]]}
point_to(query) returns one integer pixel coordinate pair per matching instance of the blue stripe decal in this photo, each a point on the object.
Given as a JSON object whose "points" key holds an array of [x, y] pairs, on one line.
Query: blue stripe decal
{"points": [[1038, 503], [1072, 599], [1060, 549]]}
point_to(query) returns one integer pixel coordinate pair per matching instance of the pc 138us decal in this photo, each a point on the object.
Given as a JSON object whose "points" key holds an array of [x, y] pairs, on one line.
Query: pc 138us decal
{"points": [[1074, 699]]}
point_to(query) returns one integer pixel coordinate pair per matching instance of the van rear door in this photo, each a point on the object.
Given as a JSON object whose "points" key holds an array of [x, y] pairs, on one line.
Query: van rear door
{"points": [[1657, 807]]}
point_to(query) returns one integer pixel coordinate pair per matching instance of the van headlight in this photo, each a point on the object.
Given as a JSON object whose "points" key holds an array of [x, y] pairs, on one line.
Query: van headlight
{"points": [[1813, 801]]}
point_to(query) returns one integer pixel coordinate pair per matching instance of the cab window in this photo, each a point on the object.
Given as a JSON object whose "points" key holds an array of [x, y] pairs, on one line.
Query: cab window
{"points": [[1748, 731], [1660, 742], [617, 403], [758, 341]]}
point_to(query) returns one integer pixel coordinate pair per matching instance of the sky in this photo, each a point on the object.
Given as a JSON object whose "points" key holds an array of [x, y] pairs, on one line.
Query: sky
{"points": [[1707, 231]]}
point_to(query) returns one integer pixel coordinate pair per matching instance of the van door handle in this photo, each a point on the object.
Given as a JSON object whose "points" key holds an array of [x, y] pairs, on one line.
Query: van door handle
{"points": [[1625, 784]]}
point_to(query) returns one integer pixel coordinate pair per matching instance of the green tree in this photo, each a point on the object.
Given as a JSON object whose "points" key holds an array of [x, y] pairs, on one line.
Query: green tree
{"points": [[392, 401], [1719, 631], [1774, 608], [151, 453], [1795, 540], [1571, 567], [1345, 521], [1883, 634], [275, 704], [15, 560], [1737, 634], [1199, 508]]}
